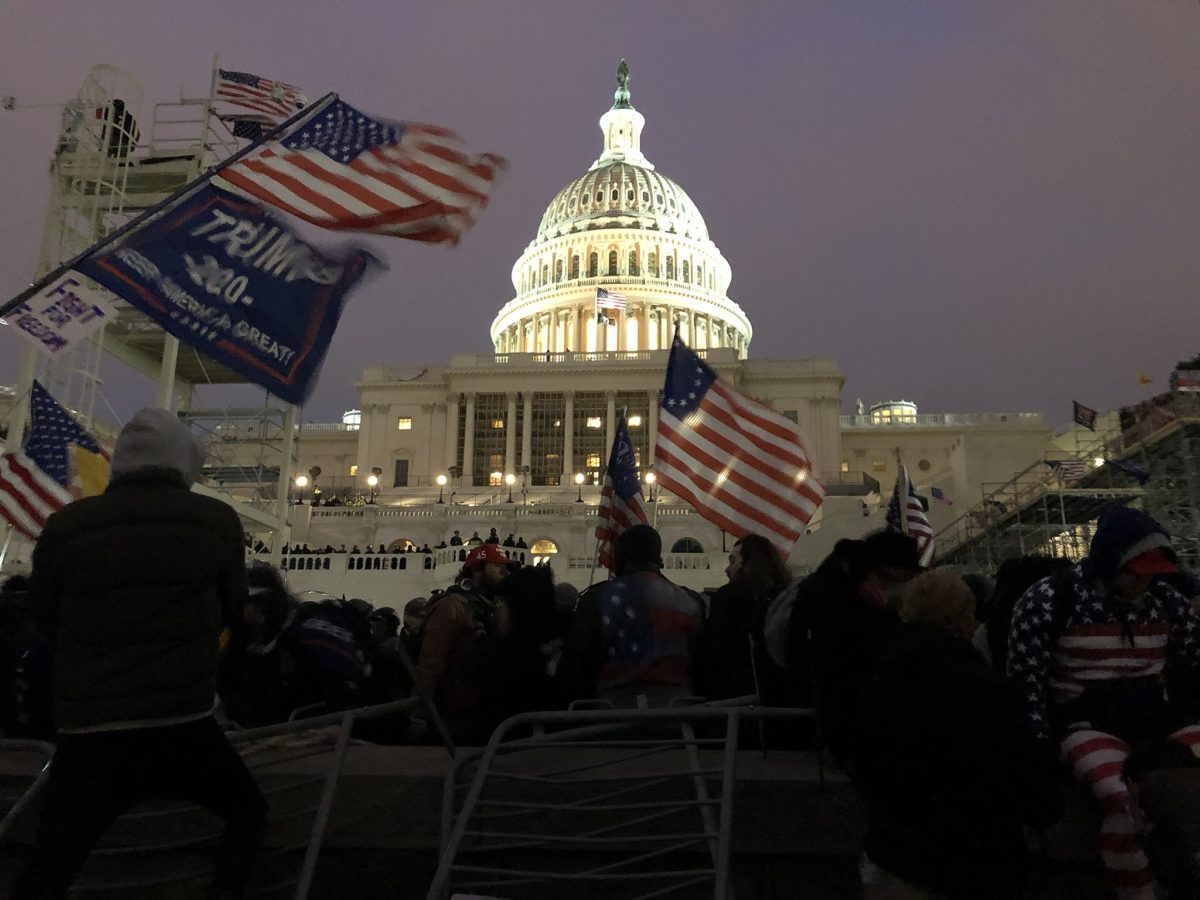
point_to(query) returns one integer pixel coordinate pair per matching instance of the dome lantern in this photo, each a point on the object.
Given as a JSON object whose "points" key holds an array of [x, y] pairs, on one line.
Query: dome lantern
{"points": [[622, 127]]}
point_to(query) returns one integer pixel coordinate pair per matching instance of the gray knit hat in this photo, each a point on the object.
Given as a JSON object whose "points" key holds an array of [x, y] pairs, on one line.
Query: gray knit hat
{"points": [[155, 438]]}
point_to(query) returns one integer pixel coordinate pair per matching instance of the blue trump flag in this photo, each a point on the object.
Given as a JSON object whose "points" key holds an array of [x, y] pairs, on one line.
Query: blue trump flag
{"points": [[232, 280]]}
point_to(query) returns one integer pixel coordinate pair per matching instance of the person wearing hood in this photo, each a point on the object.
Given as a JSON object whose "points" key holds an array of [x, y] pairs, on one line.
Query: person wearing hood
{"points": [[1102, 652], [635, 635], [134, 587]]}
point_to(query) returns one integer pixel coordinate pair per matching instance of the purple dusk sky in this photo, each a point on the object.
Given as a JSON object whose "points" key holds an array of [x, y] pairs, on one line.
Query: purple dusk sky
{"points": [[976, 206]]}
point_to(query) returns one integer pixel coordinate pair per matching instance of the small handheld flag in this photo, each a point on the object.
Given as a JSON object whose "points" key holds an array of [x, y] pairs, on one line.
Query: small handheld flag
{"points": [[621, 503], [906, 514], [34, 483]]}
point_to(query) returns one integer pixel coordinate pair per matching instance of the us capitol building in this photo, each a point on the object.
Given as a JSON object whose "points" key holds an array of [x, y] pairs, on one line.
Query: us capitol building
{"points": [[517, 439]]}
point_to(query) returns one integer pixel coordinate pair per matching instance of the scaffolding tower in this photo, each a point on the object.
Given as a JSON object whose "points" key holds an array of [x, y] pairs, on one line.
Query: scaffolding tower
{"points": [[1050, 509], [103, 173]]}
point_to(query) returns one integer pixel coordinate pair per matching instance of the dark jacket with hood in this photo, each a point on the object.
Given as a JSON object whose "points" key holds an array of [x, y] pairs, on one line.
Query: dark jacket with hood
{"points": [[1078, 655], [948, 768], [135, 585]]}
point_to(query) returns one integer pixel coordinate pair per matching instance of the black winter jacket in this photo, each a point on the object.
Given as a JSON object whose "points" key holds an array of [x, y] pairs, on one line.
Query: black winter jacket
{"points": [[134, 587]]}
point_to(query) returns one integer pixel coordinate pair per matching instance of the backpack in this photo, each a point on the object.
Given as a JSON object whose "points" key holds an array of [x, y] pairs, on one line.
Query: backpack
{"points": [[483, 613], [775, 624], [329, 642]]}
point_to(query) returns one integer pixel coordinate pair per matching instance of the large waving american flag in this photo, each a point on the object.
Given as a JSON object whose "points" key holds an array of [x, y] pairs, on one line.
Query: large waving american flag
{"points": [[33, 483], [741, 464], [906, 514], [621, 503], [347, 171]]}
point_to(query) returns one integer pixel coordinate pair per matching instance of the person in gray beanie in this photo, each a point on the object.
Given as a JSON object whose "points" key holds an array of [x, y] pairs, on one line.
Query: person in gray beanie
{"points": [[134, 587]]}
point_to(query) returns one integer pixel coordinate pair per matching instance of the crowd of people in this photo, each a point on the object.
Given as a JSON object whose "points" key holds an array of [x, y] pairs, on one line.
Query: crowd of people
{"points": [[960, 708]]}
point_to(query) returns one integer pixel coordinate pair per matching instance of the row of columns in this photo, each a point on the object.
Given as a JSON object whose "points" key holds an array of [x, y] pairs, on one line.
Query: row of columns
{"points": [[453, 405], [566, 329]]}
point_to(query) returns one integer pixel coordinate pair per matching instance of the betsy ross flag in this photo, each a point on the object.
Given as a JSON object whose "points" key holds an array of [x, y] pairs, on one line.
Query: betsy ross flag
{"points": [[246, 100], [906, 514], [34, 483], [347, 171], [609, 299], [621, 503], [737, 461]]}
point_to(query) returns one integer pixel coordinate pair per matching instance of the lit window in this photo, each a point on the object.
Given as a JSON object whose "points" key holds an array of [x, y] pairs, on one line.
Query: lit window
{"points": [[354, 470], [543, 547], [595, 422], [404, 423], [635, 421], [845, 467], [593, 461], [497, 423], [495, 479]]}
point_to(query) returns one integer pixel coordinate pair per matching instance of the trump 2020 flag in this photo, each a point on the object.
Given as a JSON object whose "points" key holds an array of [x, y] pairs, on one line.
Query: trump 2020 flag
{"points": [[739, 463], [621, 503], [230, 279], [348, 171]]}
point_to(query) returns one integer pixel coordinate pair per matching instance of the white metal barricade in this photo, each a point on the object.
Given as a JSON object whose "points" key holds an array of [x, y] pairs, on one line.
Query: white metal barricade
{"points": [[631, 803]]}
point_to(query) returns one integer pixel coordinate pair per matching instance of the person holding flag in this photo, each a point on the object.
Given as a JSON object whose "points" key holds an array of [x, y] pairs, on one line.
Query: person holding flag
{"points": [[134, 587]]}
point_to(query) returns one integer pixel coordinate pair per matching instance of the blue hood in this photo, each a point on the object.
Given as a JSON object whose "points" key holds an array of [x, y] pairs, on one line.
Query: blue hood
{"points": [[1121, 534]]}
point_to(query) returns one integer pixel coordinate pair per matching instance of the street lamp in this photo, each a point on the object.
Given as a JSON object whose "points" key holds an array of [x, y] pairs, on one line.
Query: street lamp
{"points": [[578, 487], [301, 481], [373, 482], [441, 483], [510, 479], [651, 478]]}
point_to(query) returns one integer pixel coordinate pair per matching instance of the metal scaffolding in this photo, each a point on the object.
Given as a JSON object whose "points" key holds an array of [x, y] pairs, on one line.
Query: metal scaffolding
{"points": [[104, 173], [1051, 509]]}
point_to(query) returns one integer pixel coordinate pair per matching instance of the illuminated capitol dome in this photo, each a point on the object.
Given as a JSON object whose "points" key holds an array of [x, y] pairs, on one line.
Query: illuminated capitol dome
{"points": [[624, 227]]}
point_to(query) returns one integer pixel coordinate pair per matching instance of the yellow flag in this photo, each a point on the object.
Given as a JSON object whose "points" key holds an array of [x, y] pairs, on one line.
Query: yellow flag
{"points": [[90, 471]]}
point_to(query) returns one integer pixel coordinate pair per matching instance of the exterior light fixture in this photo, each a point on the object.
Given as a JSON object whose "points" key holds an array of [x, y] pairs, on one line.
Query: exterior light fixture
{"points": [[441, 483], [578, 487], [510, 479]]}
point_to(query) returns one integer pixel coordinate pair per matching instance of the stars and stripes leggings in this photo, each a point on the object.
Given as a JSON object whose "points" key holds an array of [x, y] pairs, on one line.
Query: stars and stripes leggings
{"points": [[1097, 760]]}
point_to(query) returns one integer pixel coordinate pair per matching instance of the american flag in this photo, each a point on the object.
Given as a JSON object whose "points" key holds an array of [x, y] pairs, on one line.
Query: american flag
{"points": [[33, 483], [1070, 470], [912, 521], [347, 171], [939, 497], [739, 463], [621, 503], [242, 97], [609, 299]]}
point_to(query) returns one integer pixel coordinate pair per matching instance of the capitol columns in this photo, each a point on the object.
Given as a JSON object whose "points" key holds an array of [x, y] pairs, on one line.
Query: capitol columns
{"points": [[568, 451], [510, 434], [468, 463], [451, 431], [527, 432]]}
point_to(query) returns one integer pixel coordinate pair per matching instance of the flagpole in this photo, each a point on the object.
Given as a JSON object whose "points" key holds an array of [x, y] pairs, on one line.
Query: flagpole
{"points": [[8, 533], [902, 492], [179, 196]]}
